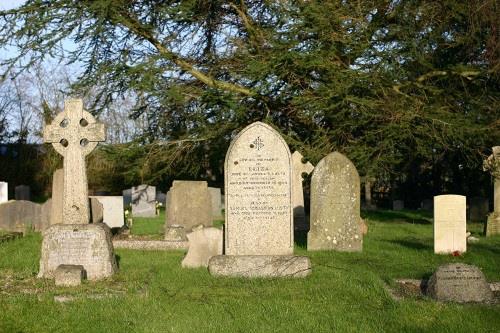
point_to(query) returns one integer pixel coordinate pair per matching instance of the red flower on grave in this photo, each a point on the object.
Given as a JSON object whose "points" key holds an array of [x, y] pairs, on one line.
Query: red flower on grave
{"points": [[456, 253]]}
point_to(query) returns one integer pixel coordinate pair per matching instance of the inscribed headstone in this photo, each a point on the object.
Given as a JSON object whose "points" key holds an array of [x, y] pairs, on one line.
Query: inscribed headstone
{"points": [[449, 224], [22, 192], [189, 204], [298, 169], [144, 201], [112, 210], [57, 197], [215, 198], [4, 192], [335, 206]]}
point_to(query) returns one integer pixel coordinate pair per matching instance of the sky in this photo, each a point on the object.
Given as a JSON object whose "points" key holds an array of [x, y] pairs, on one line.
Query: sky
{"points": [[9, 4]]}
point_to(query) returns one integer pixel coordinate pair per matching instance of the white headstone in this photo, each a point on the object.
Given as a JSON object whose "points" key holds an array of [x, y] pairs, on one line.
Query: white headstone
{"points": [[4, 192], [144, 201], [450, 224], [112, 210]]}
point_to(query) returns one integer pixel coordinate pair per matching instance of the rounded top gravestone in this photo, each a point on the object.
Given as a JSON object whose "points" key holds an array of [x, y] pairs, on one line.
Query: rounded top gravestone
{"points": [[258, 194]]}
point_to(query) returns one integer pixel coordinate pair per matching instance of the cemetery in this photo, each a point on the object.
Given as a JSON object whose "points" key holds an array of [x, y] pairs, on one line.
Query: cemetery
{"points": [[280, 172]]}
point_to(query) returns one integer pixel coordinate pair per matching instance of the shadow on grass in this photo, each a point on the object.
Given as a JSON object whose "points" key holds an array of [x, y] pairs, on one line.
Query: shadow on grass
{"points": [[300, 238], [412, 244], [403, 216], [118, 259]]}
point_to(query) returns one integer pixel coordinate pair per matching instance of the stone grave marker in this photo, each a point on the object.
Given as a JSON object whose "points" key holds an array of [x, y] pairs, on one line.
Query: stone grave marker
{"points": [[204, 243], [57, 197], [144, 201], [335, 206], [493, 165], [215, 198], [22, 192], [259, 216], [21, 215], [460, 283], [127, 197], [298, 169], [4, 192], [189, 205], [449, 224], [74, 133], [113, 212], [478, 209]]}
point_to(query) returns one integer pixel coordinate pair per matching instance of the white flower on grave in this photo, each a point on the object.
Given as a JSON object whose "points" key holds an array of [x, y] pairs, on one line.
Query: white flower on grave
{"points": [[126, 212]]}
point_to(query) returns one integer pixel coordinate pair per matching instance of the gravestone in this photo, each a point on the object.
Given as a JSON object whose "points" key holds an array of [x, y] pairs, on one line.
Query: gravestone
{"points": [[74, 133], [398, 205], [161, 198], [21, 215], [203, 245], [460, 283], [22, 192], [478, 209], [215, 198], [113, 213], [4, 192], [298, 169], [57, 197], [335, 206], [189, 205], [96, 211], [449, 224], [127, 197], [493, 165], [143, 201], [259, 217]]}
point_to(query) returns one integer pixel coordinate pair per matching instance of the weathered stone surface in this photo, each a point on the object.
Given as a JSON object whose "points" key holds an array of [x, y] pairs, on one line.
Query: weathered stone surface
{"points": [[112, 210], [259, 218], [24, 215], [335, 206], [69, 275], [493, 224], [96, 211], [449, 224], [175, 233], [203, 245], [150, 244], [4, 192], [298, 169], [493, 166], [88, 245], [74, 133], [57, 197], [459, 283], [189, 204], [478, 209], [215, 198], [143, 201], [252, 266], [398, 205], [22, 192]]}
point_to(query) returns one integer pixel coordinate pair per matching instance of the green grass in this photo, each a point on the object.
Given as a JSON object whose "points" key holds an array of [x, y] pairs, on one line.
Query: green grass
{"points": [[148, 226], [345, 293]]}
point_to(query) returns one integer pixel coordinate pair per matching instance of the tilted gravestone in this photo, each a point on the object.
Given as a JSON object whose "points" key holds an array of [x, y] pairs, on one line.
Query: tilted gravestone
{"points": [[449, 224], [74, 134], [216, 200], [460, 283], [259, 218], [335, 206], [143, 201], [189, 205], [298, 169], [4, 192], [22, 192], [57, 197], [493, 165]]}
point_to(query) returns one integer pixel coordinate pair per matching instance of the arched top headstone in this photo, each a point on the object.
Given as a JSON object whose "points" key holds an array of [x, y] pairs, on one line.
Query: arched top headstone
{"points": [[258, 195]]}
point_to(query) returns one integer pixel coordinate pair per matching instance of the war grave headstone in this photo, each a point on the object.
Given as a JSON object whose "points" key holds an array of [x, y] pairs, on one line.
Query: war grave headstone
{"points": [[189, 205], [22, 192], [258, 225], [449, 224], [112, 210], [298, 169], [74, 133], [215, 198], [57, 197], [144, 201], [4, 192], [335, 206], [493, 165], [398, 205], [478, 209], [457, 282]]}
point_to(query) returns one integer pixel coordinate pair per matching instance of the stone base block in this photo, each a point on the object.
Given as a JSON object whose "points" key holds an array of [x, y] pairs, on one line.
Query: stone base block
{"points": [[88, 245], [493, 224], [260, 266], [69, 275], [175, 233]]}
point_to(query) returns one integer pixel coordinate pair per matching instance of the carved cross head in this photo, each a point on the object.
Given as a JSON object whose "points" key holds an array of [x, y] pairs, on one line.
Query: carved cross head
{"points": [[74, 130]]}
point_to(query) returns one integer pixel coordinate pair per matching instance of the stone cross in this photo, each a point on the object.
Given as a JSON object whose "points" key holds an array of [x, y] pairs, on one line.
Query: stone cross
{"points": [[299, 168], [74, 133]]}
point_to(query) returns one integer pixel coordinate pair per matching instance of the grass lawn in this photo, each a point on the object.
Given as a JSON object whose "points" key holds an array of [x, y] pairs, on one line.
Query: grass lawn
{"points": [[345, 293]]}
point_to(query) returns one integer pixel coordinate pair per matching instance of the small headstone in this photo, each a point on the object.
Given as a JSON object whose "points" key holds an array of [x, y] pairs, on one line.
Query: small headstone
{"points": [[144, 201], [22, 192], [203, 245], [259, 218], [459, 283], [189, 204], [69, 275], [112, 210], [335, 206], [478, 209], [4, 192], [57, 197], [398, 205], [127, 197], [298, 169], [215, 198], [449, 224]]}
